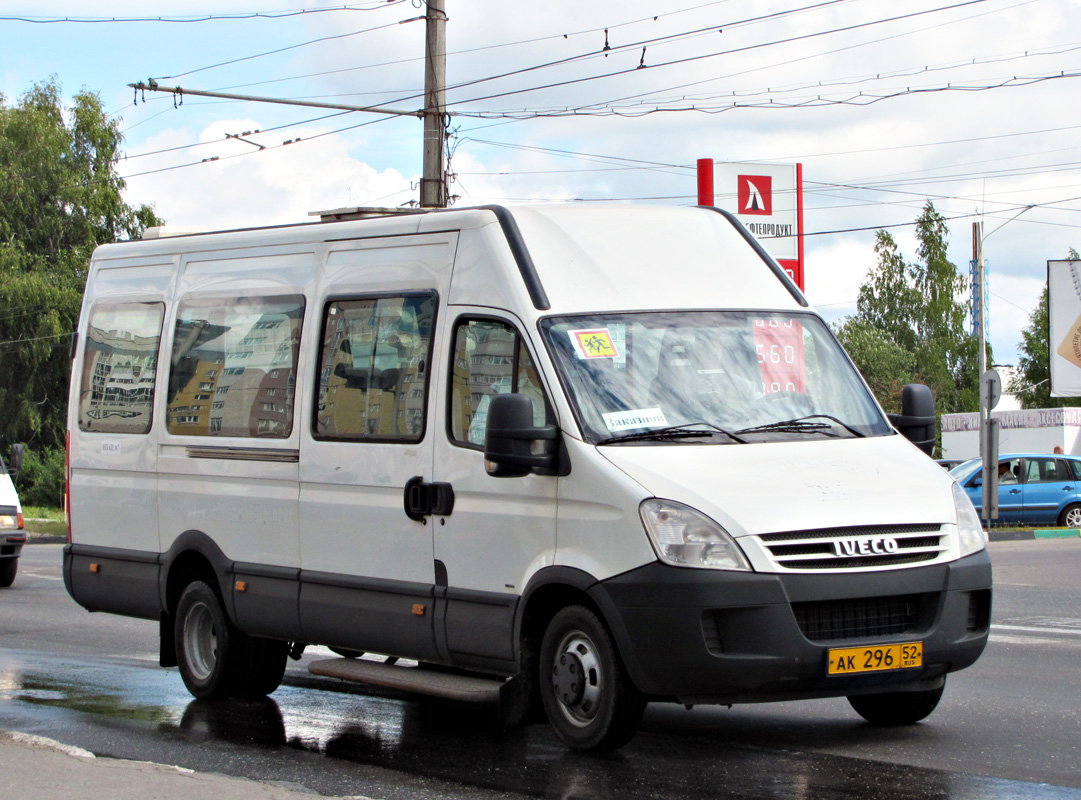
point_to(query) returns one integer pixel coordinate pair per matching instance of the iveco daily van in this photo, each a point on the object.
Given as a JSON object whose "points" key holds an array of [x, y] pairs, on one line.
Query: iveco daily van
{"points": [[580, 458], [12, 536]]}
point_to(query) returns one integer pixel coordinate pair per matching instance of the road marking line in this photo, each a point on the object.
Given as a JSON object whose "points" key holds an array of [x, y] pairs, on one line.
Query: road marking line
{"points": [[1032, 629]]}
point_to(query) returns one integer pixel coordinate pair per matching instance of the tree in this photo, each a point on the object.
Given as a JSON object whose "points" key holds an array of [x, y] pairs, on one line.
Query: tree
{"points": [[1031, 382], [885, 364], [60, 197], [914, 307]]}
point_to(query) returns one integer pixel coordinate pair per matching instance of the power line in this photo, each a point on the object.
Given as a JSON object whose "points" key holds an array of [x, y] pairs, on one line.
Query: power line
{"points": [[688, 59], [285, 49], [44, 20], [483, 48]]}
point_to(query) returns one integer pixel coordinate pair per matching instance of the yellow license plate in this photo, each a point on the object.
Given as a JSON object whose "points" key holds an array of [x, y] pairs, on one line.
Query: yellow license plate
{"points": [[874, 658]]}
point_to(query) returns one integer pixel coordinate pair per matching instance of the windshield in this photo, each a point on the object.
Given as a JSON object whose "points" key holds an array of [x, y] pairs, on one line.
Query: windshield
{"points": [[963, 471], [720, 377]]}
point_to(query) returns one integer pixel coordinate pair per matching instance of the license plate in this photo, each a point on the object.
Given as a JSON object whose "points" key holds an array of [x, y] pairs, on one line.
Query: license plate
{"points": [[874, 658]]}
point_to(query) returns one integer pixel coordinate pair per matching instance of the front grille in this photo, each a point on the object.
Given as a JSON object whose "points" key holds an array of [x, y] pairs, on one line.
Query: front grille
{"points": [[861, 618], [855, 548]]}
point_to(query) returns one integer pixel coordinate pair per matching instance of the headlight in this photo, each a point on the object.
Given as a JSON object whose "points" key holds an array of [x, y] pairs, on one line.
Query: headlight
{"points": [[969, 529], [9, 522], [684, 537]]}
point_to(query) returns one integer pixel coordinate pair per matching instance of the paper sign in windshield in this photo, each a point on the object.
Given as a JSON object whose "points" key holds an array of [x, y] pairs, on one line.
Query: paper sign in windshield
{"points": [[595, 343], [617, 421]]}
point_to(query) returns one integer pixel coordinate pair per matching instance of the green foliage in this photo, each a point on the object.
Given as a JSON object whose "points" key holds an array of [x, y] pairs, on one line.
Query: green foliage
{"points": [[60, 197], [909, 324], [1032, 382], [885, 364], [40, 482]]}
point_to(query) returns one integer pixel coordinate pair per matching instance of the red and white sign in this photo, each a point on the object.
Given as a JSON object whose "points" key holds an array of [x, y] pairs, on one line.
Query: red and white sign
{"points": [[767, 199]]}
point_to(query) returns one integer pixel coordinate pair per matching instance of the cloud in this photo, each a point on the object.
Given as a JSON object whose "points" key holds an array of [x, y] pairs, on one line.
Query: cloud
{"points": [[247, 187]]}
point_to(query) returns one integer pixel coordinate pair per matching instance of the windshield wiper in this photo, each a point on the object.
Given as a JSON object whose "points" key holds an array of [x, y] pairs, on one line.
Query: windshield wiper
{"points": [[802, 425], [686, 431]]}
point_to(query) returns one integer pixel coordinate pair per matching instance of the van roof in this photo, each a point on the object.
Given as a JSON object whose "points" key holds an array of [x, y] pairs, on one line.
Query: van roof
{"points": [[573, 257]]}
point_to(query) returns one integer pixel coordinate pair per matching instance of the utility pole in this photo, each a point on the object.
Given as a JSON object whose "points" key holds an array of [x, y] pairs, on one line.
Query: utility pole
{"points": [[433, 183]]}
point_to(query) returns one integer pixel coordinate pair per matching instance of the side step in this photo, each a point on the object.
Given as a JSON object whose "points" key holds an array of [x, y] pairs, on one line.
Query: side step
{"points": [[447, 685]]}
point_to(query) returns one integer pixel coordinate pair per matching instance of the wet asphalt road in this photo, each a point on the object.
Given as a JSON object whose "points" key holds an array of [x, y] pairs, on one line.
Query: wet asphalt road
{"points": [[1009, 727]]}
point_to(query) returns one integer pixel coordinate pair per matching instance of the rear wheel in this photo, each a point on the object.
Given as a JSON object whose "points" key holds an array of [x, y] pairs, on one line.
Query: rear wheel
{"points": [[586, 693], [1070, 516], [204, 642], [216, 659], [8, 568], [896, 708]]}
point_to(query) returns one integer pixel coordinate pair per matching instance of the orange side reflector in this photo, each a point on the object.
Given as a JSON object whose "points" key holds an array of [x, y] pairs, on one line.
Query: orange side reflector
{"points": [[242, 586], [95, 567], [418, 609]]}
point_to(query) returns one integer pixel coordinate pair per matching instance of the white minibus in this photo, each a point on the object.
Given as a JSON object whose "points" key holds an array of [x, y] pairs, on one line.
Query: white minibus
{"points": [[573, 458]]}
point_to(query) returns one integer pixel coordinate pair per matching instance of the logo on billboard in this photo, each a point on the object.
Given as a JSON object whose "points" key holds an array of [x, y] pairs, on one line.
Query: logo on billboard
{"points": [[755, 194]]}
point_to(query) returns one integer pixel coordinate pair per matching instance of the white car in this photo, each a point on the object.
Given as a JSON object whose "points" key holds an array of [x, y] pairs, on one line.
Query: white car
{"points": [[12, 537]]}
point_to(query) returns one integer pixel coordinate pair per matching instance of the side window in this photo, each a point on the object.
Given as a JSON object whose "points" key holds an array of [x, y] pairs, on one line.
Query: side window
{"points": [[233, 370], [373, 369], [1074, 469], [1043, 470], [489, 358], [117, 390], [1009, 471]]}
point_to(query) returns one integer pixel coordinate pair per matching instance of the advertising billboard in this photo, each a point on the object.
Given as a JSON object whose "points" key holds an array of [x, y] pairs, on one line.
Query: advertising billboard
{"points": [[1064, 312]]}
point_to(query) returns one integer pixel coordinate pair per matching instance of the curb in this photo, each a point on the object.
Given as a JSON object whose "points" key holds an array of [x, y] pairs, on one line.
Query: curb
{"points": [[1043, 533]]}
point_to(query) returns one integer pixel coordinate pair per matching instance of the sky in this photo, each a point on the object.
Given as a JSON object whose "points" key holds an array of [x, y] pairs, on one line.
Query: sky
{"points": [[969, 104]]}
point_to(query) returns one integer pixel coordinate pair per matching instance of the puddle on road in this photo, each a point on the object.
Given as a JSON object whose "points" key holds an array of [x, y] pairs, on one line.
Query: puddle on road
{"points": [[461, 744]]}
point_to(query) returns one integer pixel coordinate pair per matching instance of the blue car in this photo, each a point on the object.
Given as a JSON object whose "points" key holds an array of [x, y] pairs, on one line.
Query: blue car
{"points": [[1033, 489]]}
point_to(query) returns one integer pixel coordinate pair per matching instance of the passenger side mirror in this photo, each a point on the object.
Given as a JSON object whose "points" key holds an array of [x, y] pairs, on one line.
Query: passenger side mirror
{"points": [[916, 422], [513, 445]]}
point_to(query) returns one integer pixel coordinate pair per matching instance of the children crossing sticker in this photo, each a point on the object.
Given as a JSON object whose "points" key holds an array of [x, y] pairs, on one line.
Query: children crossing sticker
{"points": [[593, 343]]}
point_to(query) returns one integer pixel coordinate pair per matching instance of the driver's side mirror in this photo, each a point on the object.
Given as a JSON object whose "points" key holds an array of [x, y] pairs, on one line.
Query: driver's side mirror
{"points": [[513, 445], [916, 422]]}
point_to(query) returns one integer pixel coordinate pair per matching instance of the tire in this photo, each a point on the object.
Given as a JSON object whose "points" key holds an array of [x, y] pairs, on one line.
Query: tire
{"points": [[264, 668], [896, 708], [216, 659], [8, 568], [1070, 516], [206, 643], [584, 688]]}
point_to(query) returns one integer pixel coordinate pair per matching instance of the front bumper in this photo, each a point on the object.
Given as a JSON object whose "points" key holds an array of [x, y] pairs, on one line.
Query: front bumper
{"points": [[702, 636]]}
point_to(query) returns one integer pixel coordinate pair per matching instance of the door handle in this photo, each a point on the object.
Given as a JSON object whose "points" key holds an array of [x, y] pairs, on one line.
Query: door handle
{"points": [[422, 499], [1015, 491], [1067, 488]]}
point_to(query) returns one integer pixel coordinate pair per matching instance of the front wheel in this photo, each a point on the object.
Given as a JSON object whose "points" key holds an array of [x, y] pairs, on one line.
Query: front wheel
{"points": [[1070, 516], [8, 568], [897, 708], [586, 693]]}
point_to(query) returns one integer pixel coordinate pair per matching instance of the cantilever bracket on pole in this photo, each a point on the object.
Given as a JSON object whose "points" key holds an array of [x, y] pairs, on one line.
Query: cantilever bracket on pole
{"points": [[154, 86], [246, 141]]}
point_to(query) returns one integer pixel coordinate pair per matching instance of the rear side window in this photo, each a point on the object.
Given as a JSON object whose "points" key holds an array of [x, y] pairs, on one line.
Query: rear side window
{"points": [[116, 392], [373, 368], [233, 370]]}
